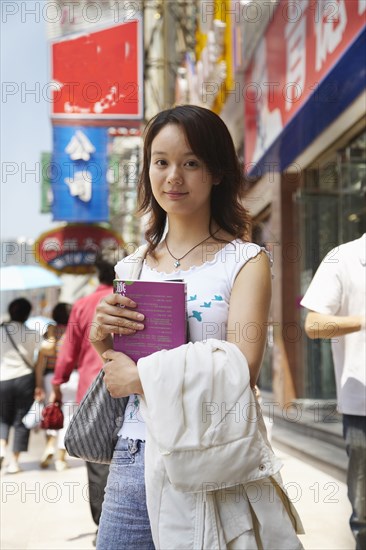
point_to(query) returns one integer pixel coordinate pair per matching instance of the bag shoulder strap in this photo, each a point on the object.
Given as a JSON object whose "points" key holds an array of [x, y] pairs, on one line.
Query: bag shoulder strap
{"points": [[16, 347], [137, 260]]}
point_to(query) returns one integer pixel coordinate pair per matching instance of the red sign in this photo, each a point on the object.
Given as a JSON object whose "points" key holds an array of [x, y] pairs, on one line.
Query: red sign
{"points": [[304, 40], [99, 75], [72, 248]]}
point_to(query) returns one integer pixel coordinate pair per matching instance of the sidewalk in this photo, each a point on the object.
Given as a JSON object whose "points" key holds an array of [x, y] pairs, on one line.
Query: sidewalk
{"points": [[321, 501], [45, 509]]}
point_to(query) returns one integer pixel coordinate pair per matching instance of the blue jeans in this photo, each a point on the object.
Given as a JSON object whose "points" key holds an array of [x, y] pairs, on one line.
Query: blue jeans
{"points": [[124, 522], [354, 432]]}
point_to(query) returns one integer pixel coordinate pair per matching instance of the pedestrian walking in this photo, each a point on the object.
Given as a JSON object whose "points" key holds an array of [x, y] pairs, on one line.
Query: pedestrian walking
{"points": [[336, 300], [45, 368], [196, 484], [77, 354], [19, 386]]}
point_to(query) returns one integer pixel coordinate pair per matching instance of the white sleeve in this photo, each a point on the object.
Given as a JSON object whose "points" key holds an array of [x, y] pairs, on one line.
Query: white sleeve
{"points": [[244, 252], [324, 294]]}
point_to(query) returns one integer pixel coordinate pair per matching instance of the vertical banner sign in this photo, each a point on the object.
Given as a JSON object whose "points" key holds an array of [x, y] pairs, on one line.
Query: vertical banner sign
{"points": [[213, 78], [79, 174], [302, 43], [99, 75]]}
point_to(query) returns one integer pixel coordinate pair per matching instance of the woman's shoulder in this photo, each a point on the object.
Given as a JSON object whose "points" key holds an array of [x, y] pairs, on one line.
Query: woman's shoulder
{"points": [[235, 254], [239, 250]]}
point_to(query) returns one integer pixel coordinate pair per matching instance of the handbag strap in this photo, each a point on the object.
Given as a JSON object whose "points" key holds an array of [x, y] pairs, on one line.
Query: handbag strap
{"points": [[16, 347], [137, 260]]}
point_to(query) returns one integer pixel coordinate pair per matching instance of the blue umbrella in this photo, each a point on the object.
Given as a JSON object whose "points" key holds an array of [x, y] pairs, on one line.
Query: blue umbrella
{"points": [[40, 323], [24, 277]]}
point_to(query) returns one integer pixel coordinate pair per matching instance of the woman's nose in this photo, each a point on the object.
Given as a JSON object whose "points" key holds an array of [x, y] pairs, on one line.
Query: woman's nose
{"points": [[174, 176]]}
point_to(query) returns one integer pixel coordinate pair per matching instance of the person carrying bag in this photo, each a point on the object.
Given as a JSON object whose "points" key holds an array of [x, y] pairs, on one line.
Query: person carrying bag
{"points": [[18, 388]]}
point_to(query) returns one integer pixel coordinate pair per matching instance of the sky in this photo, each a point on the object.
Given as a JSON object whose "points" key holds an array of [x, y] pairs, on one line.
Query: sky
{"points": [[25, 122]]}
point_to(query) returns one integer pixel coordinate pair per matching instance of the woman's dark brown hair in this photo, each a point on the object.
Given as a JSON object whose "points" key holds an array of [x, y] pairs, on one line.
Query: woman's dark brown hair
{"points": [[211, 141]]}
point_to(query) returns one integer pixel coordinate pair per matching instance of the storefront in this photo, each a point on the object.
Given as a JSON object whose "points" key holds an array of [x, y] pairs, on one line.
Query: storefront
{"points": [[305, 139], [332, 210]]}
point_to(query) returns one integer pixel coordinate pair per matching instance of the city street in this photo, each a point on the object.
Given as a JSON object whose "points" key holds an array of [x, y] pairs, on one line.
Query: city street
{"points": [[45, 509], [222, 144]]}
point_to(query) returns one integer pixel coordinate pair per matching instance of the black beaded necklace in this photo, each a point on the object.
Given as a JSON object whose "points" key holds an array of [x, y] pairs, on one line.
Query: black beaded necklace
{"points": [[177, 260]]}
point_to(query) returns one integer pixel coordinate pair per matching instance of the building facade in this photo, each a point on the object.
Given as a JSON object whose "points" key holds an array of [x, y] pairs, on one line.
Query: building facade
{"points": [[305, 152]]}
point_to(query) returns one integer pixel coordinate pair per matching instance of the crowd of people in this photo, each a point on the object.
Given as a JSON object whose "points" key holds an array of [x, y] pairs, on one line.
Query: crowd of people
{"points": [[57, 366], [152, 495]]}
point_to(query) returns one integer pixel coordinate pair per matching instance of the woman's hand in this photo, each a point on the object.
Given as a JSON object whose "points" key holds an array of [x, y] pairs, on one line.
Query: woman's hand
{"points": [[121, 375], [115, 314], [39, 394]]}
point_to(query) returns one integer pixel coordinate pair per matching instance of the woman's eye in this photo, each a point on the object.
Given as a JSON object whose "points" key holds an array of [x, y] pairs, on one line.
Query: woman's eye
{"points": [[192, 163], [160, 162]]}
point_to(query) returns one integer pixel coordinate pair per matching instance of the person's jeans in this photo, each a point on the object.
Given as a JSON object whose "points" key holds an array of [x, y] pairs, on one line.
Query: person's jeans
{"points": [[354, 432], [124, 522]]}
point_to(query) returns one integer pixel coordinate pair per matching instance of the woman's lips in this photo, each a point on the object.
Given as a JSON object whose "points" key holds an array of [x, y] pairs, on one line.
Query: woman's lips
{"points": [[175, 196]]}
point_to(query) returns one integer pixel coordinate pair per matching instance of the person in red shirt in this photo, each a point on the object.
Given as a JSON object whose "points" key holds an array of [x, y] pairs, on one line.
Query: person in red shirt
{"points": [[77, 352]]}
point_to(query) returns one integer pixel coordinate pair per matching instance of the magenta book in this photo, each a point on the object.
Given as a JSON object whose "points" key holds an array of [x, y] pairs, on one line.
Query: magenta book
{"points": [[164, 305]]}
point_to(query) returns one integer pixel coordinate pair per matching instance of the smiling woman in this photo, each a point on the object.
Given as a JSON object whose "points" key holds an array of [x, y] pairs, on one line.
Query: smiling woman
{"points": [[206, 147], [191, 187], [180, 182]]}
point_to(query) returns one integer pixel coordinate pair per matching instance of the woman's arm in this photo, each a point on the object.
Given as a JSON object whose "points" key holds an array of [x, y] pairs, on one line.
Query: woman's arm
{"points": [[248, 312], [39, 393]]}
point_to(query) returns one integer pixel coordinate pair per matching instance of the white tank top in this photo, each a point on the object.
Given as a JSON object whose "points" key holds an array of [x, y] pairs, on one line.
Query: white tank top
{"points": [[208, 296]]}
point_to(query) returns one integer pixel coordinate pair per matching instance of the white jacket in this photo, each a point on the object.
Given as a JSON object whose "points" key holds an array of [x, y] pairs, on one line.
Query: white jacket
{"points": [[212, 479]]}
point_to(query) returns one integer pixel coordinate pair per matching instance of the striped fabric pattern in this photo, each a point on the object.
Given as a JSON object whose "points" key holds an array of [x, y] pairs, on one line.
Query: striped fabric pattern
{"points": [[93, 431]]}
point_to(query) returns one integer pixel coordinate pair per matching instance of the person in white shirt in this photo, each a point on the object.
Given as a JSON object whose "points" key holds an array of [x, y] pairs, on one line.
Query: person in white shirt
{"points": [[18, 386], [336, 299]]}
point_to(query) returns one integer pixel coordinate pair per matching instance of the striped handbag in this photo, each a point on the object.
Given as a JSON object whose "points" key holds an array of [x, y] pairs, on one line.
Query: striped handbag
{"points": [[93, 431]]}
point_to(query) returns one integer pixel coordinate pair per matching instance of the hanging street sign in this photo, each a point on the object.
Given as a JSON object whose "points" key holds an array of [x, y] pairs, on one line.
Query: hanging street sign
{"points": [[72, 248]]}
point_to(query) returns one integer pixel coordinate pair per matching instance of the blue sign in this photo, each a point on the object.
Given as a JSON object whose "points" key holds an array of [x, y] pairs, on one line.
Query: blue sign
{"points": [[79, 174]]}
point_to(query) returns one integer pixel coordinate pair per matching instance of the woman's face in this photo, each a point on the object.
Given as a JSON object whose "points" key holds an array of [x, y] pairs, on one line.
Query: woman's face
{"points": [[180, 181]]}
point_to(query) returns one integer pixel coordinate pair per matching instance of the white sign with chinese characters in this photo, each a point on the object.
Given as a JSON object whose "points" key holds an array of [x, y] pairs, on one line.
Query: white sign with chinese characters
{"points": [[80, 147], [303, 42], [80, 183], [329, 31], [295, 34]]}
